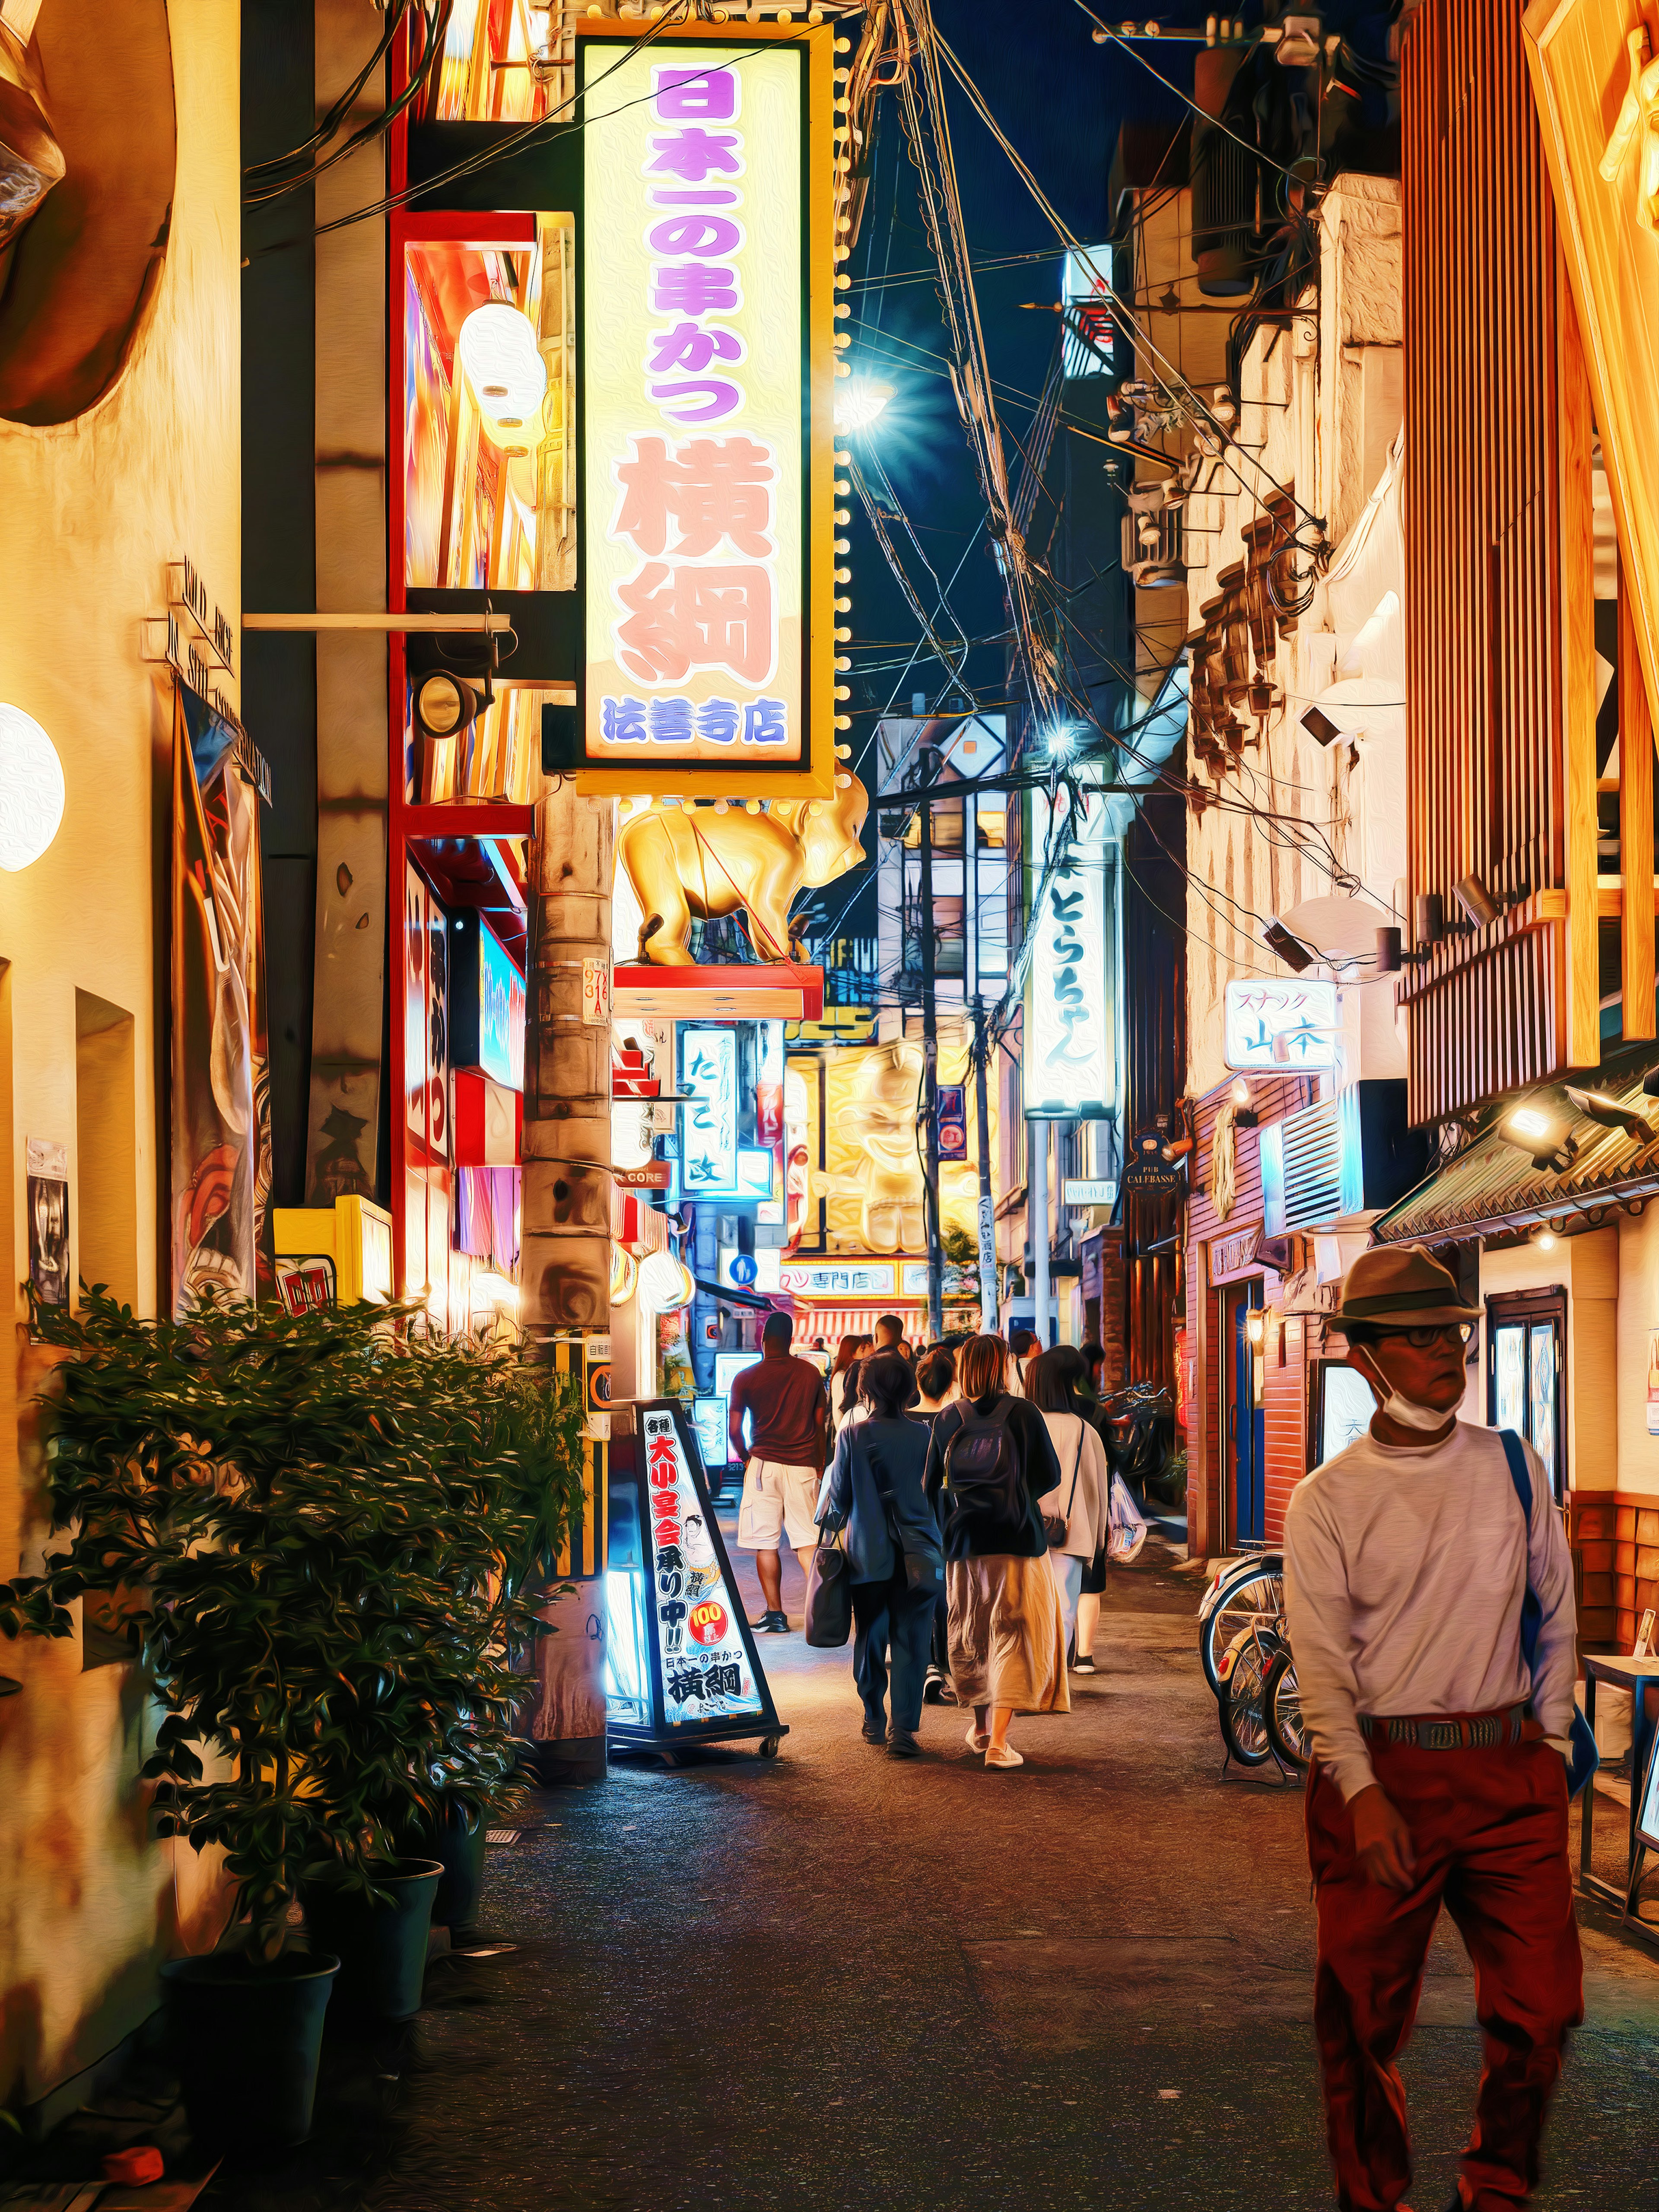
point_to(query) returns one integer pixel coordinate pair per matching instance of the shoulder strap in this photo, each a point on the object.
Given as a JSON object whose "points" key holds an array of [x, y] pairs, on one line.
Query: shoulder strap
{"points": [[1076, 1469], [1521, 1476]]}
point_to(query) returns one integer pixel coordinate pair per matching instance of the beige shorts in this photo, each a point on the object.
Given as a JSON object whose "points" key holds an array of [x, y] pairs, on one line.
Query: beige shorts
{"points": [[776, 1499]]}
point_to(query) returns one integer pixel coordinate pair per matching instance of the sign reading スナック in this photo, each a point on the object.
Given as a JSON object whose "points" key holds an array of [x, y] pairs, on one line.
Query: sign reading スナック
{"points": [[706, 1673], [1280, 1022], [704, 304]]}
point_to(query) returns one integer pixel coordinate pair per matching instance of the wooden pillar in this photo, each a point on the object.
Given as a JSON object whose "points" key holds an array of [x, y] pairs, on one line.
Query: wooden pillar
{"points": [[1578, 434], [565, 1247], [1636, 742]]}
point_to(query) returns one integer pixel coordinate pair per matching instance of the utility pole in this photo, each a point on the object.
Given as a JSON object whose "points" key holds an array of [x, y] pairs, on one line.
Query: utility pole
{"points": [[930, 1063], [988, 1230]]}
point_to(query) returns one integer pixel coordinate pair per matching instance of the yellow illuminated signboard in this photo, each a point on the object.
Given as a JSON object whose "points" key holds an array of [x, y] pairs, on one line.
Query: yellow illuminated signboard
{"points": [[705, 404]]}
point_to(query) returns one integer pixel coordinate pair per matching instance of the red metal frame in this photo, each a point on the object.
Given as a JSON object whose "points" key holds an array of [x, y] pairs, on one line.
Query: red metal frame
{"points": [[410, 825]]}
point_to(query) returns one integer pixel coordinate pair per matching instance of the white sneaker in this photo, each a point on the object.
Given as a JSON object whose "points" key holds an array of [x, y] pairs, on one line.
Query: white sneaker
{"points": [[976, 1741], [1007, 1757]]}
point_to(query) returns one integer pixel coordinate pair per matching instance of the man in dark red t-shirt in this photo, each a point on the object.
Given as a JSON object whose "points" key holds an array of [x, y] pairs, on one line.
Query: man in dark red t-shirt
{"points": [[782, 1460]]}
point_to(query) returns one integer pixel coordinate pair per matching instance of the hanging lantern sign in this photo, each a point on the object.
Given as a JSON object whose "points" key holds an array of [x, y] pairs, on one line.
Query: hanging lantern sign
{"points": [[665, 1283], [625, 1275]]}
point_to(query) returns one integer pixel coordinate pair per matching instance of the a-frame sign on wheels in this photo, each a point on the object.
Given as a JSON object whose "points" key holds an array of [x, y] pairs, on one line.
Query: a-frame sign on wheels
{"points": [[681, 1666]]}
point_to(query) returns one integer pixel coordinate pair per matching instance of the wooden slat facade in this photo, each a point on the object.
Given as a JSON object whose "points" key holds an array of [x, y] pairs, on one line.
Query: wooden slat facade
{"points": [[1500, 644]]}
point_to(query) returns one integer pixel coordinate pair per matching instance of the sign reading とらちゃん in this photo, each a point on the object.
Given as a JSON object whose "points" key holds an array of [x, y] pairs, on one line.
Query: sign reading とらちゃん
{"points": [[706, 381]]}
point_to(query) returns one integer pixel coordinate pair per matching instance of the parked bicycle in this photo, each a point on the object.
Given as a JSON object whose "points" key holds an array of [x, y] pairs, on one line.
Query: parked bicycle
{"points": [[1245, 1650]]}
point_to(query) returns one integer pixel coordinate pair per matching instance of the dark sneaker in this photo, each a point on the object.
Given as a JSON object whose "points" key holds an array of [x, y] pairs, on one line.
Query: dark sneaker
{"points": [[1083, 1666], [873, 1732], [773, 1624], [937, 1690], [900, 1745]]}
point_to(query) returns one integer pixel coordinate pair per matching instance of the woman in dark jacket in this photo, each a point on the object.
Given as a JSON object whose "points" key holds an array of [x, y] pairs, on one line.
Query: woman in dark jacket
{"points": [[1006, 1639], [876, 1492]]}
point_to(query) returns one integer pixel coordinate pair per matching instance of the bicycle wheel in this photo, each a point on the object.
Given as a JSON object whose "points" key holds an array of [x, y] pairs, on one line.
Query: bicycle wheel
{"points": [[1282, 1706], [1245, 1665], [1253, 1596]]}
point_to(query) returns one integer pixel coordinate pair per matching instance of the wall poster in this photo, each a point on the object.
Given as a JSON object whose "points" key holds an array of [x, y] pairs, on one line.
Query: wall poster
{"points": [[704, 293], [221, 1074], [46, 1191]]}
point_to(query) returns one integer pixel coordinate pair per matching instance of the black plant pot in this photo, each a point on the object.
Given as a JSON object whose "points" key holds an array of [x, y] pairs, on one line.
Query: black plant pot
{"points": [[459, 1848], [381, 1947], [246, 2038]]}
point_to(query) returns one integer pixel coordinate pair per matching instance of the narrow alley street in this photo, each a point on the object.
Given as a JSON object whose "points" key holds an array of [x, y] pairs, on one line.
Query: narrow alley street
{"points": [[837, 1980]]}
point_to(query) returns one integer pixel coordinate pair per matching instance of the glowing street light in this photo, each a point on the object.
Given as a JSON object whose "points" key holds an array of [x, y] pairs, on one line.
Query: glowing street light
{"points": [[1062, 741], [859, 402]]}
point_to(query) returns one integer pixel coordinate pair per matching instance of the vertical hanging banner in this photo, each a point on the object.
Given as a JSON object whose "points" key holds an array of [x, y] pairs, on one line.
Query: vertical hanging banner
{"points": [[706, 404], [1070, 1068], [709, 1123], [221, 1074]]}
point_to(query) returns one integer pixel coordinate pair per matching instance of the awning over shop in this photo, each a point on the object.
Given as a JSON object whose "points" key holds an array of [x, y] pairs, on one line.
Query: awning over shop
{"points": [[1496, 1184]]}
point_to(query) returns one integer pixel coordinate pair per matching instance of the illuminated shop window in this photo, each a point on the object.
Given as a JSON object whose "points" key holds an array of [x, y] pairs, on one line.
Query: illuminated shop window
{"points": [[486, 75], [489, 484]]}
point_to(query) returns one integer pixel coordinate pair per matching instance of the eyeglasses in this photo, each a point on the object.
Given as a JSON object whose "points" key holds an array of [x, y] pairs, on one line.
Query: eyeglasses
{"points": [[1424, 1340]]}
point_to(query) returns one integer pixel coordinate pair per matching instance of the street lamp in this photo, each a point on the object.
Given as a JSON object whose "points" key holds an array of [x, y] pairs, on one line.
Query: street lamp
{"points": [[859, 402]]}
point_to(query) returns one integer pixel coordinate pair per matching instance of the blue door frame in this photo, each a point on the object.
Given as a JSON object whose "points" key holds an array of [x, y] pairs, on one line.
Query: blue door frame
{"points": [[1246, 1428]]}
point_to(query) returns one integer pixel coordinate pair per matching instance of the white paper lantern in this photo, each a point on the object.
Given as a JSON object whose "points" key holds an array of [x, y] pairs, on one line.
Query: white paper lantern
{"points": [[31, 789], [498, 350], [665, 1283]]}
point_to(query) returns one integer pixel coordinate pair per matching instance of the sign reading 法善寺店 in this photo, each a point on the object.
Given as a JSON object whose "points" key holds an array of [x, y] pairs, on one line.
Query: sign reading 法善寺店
{"points": [[705, 401]]}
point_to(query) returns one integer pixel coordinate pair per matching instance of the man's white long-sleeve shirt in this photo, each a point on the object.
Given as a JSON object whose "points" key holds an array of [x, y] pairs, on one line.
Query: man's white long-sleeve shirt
{"points": [[1404, 1573]]}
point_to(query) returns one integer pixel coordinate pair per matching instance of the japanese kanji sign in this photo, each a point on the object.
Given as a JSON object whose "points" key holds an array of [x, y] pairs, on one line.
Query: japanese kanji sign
{"points": [[1071, 1048], [709, 1119], [1280, 1022], [706, 553], [706, 1670]]}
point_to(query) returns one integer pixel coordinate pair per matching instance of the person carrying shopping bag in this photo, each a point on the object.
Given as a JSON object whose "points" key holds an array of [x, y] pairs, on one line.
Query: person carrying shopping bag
{"points": [[875, 1491], [1075, 1517]]}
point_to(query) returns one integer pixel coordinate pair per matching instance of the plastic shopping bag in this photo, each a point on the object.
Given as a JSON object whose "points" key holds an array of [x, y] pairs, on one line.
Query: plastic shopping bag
{"points": [[1128, 1524]]}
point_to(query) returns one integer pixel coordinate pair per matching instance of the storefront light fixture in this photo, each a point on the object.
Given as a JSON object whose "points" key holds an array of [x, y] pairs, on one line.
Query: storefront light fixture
{"points": [[1244, 1103], [1611, 1113], [1255, 1326], [1543, 1237], [625, 1275], [444, 705], [31, 789], [503, 363], [1287, 947], [863, 399], [1531, 1129]]}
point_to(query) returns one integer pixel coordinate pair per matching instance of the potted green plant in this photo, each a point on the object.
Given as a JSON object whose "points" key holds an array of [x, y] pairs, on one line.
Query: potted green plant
{"points": [[329, 1530]]}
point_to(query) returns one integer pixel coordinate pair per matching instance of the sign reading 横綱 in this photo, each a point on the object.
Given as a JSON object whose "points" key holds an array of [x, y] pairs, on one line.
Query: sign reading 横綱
{"points": [[704, 303], [706, 1672], [1070, 1069], [1280, 1022]]}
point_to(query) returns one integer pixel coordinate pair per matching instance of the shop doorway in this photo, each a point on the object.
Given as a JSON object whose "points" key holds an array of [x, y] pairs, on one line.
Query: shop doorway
{"points": [[1245, 1456], [1527, 1373]]}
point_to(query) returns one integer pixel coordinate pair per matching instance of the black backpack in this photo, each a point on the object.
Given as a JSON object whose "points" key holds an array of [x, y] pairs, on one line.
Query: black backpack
{"points": [[982, 1466]]}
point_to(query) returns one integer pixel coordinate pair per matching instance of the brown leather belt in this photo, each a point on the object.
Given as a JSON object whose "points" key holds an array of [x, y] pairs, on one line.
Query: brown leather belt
{"points": [[1445, 1732]]}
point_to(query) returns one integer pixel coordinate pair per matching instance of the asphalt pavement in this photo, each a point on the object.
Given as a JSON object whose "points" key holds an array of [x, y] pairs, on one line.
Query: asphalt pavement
{"points": [[839, 1980]]}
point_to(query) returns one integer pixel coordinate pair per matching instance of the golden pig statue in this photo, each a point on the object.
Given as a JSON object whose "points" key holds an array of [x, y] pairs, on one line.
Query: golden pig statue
{"points": [[708, 863]]}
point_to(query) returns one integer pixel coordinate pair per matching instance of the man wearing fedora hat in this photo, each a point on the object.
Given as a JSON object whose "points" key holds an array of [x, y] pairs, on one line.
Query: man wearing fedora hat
{"points": [[1439, 1773]]}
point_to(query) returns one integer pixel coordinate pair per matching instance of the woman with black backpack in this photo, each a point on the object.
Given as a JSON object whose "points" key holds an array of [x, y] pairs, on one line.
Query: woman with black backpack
{"points": [[990, 1460]]}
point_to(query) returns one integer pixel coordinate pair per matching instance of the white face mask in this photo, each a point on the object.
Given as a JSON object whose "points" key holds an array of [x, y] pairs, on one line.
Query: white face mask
{"points": [[1407, 1410]]}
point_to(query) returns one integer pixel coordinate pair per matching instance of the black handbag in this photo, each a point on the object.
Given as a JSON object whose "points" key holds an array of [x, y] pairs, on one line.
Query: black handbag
{"points": [[829, 1597], [1056, 1527], [919, 1572]]}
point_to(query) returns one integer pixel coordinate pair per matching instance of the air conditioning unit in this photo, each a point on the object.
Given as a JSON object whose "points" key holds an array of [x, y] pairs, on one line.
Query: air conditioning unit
{"points": [[1351, 1154], [1154, 545]]}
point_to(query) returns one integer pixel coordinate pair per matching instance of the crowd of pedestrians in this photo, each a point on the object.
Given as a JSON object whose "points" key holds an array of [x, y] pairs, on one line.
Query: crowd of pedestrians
{"points": [[970, 1488]]}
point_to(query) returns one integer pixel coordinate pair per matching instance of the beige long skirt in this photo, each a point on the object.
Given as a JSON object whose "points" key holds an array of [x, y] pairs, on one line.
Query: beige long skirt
{"points": [[1007, 1636]]}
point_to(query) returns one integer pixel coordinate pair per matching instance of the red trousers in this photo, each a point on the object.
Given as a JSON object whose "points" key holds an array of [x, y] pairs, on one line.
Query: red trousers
{"points": [[1489, 1828]]}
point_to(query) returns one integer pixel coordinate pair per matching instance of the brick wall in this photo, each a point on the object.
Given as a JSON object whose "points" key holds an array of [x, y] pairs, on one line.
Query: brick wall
{"points": [[1617, 1539]]}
